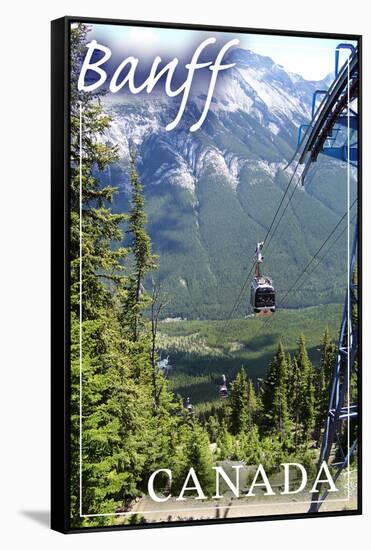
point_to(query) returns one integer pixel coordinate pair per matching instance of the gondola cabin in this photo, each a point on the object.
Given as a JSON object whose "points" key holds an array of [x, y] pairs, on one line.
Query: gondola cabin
{"points": [[164, 366], [188, 406], [223, 390], [263, 296]]}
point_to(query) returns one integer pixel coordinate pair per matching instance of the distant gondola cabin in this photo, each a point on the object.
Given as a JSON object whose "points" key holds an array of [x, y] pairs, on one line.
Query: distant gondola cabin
{"points": [[188, 406], [223, 390]]}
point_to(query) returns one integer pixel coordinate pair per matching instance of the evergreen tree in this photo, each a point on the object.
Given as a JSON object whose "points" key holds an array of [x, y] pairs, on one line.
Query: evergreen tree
{"points": [[212, 428], [97, 226], [238, 406], [193, 451], [290, 382], [249, 446], [144, 260], [295, 397], [93, 263], [252, 402], [123, 442], [322, 381], [271, 452], [307, 389], [242, 403], [275, 395], [224, 442], [113, 454]]}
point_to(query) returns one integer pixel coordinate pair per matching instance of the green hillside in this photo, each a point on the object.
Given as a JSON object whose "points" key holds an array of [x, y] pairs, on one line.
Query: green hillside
{"points": [[201, 351], [212, 195], [206, 244]]}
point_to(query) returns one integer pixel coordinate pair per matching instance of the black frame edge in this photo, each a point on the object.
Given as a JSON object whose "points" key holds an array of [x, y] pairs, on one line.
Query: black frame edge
{"points": [[360, 274], [206, 27], [59, 517], [60, 326]]}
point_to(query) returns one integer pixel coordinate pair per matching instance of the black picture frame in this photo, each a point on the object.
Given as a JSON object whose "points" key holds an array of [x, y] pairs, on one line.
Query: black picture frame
{"points": [[60, 270]]}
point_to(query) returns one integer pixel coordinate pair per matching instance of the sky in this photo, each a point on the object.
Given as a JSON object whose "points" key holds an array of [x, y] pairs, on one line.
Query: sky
{"points": [[312, 58]]}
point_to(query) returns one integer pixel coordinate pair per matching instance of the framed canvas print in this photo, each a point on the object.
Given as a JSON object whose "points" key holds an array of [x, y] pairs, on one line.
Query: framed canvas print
{"points": [[206, 274]]}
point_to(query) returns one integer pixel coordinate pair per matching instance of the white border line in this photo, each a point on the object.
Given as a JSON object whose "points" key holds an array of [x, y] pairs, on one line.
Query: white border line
{"points": [[215, 508], [349, 337], [80, 305], [81, 350]]}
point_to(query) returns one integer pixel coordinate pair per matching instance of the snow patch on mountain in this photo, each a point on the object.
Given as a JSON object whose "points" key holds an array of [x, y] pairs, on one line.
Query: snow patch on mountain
{"points": [[273, 128], [179, 175], [134, 128], [231, 95], [260, 167], [274, 96], [213, 160]]}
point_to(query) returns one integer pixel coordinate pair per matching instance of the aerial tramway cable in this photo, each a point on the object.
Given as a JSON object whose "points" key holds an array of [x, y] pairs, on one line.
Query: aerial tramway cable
{"points": [[269, 321], [247, 280], [318, 251], [314, 116], [333, 244]]}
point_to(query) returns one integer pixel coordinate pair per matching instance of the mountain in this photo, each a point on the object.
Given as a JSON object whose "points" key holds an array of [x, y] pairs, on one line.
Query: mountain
{"points": [[212, 194]]}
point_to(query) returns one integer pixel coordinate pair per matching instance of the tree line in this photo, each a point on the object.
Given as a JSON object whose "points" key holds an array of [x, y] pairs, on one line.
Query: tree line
{"points": [[282, 417], [125, 423]]}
